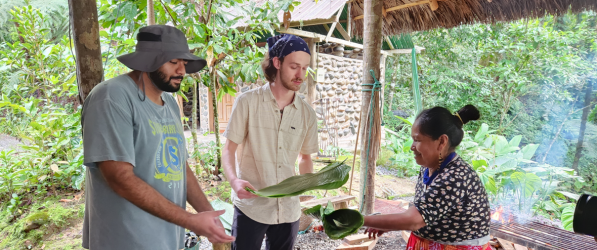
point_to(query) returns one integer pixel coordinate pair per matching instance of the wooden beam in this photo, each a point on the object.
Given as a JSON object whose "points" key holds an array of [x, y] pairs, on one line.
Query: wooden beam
{"points": [[85, 27], [313, 22], [308, 34], [506, 245], [389, 42], [405, 51], [349, 23], [343, 32], [399, 7], [326, 27], [311, 97], [331, 31]]}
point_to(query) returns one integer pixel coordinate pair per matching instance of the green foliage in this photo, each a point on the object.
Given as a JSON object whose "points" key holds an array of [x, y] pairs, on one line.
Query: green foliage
{"points": [[55, 23], [332, 176], [206, 152], [220, 191], [37, 82], [400, 143], [51, 215]]}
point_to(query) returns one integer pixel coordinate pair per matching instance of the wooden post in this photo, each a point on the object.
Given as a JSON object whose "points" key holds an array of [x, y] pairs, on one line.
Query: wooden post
{"points": [[382, 80], [311, 97], [196, 79], [349, 22], [371, 134], [85, 27], [150, 13]]}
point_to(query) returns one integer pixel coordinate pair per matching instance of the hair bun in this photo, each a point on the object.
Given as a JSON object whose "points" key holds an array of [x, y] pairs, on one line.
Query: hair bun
{"points": [[468, 113]]}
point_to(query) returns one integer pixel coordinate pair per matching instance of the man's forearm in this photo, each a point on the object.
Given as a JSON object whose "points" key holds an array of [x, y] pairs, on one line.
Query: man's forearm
{"points": [[305, 164], [142, 195], [229, 164], [195, 195]]}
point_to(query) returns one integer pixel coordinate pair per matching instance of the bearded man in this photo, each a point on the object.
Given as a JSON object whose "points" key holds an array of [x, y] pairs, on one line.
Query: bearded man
{"points": [[268, 129], [138, 180]]}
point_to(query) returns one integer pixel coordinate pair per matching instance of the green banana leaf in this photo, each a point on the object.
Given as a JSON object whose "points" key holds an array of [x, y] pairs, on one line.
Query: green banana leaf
{"points": [[339, 223], [227, 217], [331, 176]]}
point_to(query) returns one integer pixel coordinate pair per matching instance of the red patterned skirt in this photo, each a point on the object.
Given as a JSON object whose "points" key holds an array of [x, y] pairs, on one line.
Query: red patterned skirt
{"points": [[418, 243]]}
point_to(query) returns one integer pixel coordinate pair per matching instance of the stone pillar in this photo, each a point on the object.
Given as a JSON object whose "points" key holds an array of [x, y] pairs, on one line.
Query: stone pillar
{"points": [[204, 109]]}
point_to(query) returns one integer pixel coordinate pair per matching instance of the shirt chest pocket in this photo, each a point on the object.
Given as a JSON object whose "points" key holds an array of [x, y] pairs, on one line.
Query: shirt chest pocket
{"points": [[293, 138]]}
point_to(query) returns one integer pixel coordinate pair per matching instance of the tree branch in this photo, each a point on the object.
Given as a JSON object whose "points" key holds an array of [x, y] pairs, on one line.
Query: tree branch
{"points": [[167, 10]]}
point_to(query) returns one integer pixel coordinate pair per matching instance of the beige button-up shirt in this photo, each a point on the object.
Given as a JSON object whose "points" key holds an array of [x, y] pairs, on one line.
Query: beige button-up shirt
{"points": [[269, 145]]}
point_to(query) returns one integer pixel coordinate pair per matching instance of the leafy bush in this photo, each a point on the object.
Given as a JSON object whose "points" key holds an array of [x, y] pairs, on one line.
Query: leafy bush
{"points": [[38, 105]]}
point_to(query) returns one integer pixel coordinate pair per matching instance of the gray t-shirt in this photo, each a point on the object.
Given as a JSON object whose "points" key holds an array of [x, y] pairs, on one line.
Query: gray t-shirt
{"points": [[119, 126]]}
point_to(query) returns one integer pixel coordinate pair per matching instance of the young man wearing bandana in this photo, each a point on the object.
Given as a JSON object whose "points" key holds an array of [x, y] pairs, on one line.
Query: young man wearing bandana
{"points": [[269, 128], [138, 181]]}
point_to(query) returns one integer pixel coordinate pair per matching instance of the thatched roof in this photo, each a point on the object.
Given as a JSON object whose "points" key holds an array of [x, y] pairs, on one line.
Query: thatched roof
{"points": [[450, 13]]}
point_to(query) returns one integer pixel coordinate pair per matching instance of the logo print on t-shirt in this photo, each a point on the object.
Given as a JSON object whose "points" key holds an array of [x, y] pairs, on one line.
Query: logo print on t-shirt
{"points": [[168, 158]]}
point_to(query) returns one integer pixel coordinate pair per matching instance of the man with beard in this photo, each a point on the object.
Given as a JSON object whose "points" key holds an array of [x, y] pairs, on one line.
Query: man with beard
{"points": [[137, 179], [269, 127]]}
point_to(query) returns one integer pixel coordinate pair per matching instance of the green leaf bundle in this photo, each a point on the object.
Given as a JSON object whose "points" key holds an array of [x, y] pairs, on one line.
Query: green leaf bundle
{"points": [[337, 224], [331, 176]]}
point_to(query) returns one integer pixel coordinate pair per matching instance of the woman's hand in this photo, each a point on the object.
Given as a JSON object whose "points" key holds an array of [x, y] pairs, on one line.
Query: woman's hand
{"points": [[373, 232]]}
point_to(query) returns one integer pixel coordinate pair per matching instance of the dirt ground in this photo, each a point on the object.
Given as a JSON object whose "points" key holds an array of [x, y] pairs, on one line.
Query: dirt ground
{"points": [[9, 143]]}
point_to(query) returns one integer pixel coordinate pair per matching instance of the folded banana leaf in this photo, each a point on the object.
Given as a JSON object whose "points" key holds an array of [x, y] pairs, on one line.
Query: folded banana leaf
{"points": [[331, 176], [337, 224]]}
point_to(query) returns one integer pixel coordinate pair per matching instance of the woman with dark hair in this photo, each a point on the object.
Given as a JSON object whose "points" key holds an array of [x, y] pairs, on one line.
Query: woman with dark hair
{"points": [[451, 209]]}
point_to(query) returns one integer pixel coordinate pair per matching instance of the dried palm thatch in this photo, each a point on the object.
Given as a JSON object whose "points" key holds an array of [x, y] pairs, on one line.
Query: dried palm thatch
{"points": [[405, 16]]}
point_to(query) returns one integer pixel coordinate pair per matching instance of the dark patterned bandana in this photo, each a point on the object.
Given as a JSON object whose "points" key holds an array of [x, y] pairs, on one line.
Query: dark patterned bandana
{"points": [[282, 45]]}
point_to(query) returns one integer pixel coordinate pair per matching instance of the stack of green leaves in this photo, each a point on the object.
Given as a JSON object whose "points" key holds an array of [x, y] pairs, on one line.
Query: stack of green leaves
{"points": [[337, 224], [331, 176], [227, 217]]}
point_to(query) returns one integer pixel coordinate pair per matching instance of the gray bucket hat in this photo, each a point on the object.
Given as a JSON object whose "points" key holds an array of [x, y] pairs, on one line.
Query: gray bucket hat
{"points": [[158, 44]]}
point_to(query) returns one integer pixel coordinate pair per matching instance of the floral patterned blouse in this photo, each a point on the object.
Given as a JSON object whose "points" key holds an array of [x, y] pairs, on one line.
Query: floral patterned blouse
{"points": [[455, 206]]}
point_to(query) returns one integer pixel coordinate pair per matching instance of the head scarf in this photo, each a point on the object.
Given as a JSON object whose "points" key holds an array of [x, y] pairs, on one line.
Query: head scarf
{"points": [[282, 45]]}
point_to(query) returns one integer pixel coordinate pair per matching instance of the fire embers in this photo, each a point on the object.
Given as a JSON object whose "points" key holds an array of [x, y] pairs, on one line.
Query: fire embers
{"points": [[501, 216]]}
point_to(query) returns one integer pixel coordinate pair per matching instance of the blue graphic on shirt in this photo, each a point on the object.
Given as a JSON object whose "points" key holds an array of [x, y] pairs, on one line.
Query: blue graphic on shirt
{"points": [[168, 158]]}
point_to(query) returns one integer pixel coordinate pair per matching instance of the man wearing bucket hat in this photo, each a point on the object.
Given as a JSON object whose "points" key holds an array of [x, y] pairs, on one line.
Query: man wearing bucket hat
{"points": [[268, 128], [137, 179]]}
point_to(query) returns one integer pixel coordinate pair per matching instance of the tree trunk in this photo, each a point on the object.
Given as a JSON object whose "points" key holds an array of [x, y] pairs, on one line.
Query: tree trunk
{"points": [[311, 97], [85, 27], [371, 128], [150, 13], [213, 85], [194, 121], [583, 124]]}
